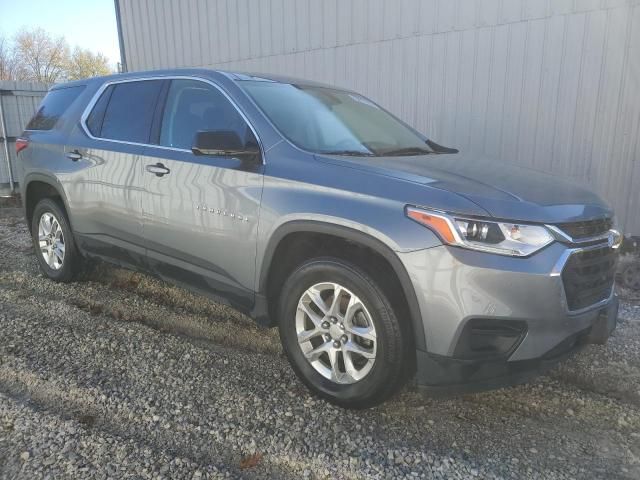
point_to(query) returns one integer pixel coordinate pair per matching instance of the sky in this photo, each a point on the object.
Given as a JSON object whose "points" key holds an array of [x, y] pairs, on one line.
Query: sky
{"points": [[85, 23]]}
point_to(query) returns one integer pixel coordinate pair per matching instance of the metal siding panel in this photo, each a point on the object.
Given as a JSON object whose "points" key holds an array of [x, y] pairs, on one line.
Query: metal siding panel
{"points": [[202, 12], [410, 61], [489, 12], [481, 87], [396, 78], [329, 24], [211, 48], [424, 80], [561, 7], [513, 91], [567, 92], [302, 25], [511, 11], [543, 150], [588, 93], [244, 41], [466, 79], [427, 16], [178, 34], [533, 61], [130, 34], [343, 20], [233, 30], [359, 16], [535, 9], [446, 15], [450, 97], [289, 26], [192, 21], [586, 5], [622, 157], [495, 102], [222, 26], [375, 20], [466, 14], [266, 26], [253, 22], [408, 17], [390, 20]]}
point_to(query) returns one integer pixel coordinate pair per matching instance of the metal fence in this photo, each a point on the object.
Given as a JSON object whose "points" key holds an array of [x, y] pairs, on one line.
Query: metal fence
{"points": [[18, 103]]}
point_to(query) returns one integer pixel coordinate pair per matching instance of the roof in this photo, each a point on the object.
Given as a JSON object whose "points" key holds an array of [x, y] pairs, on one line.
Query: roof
{"points": [[206, 72]]}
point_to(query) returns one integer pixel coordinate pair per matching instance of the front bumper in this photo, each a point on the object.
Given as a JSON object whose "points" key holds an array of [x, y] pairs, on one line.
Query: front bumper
{"points": [[456, 287]]}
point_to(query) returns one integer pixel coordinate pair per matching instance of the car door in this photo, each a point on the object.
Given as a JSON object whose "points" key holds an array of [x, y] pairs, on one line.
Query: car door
{"points": [[105, 194], [200, 213]]}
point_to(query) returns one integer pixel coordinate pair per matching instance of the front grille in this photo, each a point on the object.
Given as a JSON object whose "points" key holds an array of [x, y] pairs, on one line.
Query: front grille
{"points": [[585, 229], [588, 277]]}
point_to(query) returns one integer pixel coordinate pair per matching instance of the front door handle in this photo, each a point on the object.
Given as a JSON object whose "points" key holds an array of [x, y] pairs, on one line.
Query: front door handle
{"points": [[75, 155], [158, 169]]}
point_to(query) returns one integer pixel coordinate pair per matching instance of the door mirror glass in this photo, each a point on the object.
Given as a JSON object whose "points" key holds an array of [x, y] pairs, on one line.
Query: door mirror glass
{"points": [[223, 143]]}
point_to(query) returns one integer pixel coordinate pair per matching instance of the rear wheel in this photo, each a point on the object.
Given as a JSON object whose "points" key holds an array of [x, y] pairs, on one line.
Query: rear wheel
{"points": [[341, 333], [53, 241]]}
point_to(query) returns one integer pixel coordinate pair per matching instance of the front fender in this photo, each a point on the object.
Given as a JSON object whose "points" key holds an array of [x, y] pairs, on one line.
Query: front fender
{"points": [[363, 236]]}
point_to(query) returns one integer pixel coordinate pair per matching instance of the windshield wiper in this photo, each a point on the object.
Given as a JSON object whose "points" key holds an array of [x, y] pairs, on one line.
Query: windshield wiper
{"points": [[407, 151], [352, 153]]}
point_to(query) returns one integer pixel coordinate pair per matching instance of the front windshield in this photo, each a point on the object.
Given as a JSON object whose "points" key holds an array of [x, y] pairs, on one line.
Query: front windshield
{"points": [[325, 120]]}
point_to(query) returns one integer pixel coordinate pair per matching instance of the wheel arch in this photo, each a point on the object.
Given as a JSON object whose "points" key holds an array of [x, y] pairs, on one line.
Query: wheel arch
{"points": [[356, 237], [37, 186]]}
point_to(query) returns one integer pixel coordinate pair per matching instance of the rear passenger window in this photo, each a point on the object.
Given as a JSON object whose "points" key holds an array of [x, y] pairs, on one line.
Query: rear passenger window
{"points": [[194, 106], [54, 104], [129, 112]]}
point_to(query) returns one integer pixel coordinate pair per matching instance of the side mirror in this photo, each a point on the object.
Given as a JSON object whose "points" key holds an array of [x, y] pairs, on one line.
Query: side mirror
{"points": [[223, 143]]}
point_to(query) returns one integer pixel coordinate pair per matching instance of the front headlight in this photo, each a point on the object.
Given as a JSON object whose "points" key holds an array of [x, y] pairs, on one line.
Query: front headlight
{"points": [[503, 238]]}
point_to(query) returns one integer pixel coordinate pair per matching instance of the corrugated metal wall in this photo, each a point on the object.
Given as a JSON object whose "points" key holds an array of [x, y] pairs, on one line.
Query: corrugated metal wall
{"points": [[20, 101], [548, 84]]}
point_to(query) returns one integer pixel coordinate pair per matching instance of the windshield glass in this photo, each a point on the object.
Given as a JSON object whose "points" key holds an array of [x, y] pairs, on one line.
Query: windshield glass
{"points": [[325, 120]]}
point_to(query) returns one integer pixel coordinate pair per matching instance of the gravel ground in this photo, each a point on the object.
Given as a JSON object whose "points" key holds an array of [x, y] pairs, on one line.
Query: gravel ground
{"points": [[123, 376]]}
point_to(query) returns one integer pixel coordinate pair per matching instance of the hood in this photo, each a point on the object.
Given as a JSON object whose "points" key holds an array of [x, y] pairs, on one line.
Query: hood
{"points": [[503, 190]]}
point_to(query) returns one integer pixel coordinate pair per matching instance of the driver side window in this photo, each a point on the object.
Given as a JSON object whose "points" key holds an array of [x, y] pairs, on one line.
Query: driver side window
{"points": [[194, 106]]}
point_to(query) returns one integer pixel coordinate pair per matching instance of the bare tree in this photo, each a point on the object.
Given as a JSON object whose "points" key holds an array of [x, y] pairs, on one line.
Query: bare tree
{"points": [[9, 65], [84, 63], [42, 56]]}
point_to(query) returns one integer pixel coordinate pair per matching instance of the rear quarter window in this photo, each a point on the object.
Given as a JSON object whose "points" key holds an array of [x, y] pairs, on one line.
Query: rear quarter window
{"points": [[53, 106]]}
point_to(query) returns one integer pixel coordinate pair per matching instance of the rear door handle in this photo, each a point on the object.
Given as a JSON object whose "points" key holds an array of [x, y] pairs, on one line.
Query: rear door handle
{"points": [[75, 155], [158, 169]]}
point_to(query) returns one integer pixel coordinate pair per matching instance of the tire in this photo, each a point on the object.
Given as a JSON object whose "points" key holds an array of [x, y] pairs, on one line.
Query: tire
{"points": [[367, 383], [58, 268]]}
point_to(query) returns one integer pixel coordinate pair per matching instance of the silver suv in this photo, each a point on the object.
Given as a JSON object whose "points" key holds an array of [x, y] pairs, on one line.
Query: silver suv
{"points": [[380, 255]]}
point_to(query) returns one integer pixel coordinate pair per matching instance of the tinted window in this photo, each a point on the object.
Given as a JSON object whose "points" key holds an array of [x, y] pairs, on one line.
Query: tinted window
{"points": [[55, 103], [94, 121], [130, 111], [195, 106]]}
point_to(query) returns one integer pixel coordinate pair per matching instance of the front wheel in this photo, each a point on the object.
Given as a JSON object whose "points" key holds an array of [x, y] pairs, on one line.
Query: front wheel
{"points": [[341, 333]]}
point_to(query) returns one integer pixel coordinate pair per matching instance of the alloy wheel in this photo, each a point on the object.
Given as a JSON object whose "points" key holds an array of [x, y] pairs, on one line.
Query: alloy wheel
{"points": [[336, 333], [51, 241]]}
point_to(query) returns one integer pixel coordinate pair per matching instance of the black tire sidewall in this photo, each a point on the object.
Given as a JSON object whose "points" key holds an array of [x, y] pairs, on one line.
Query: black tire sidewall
{"points": [[381, 381], [68, 269]]}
